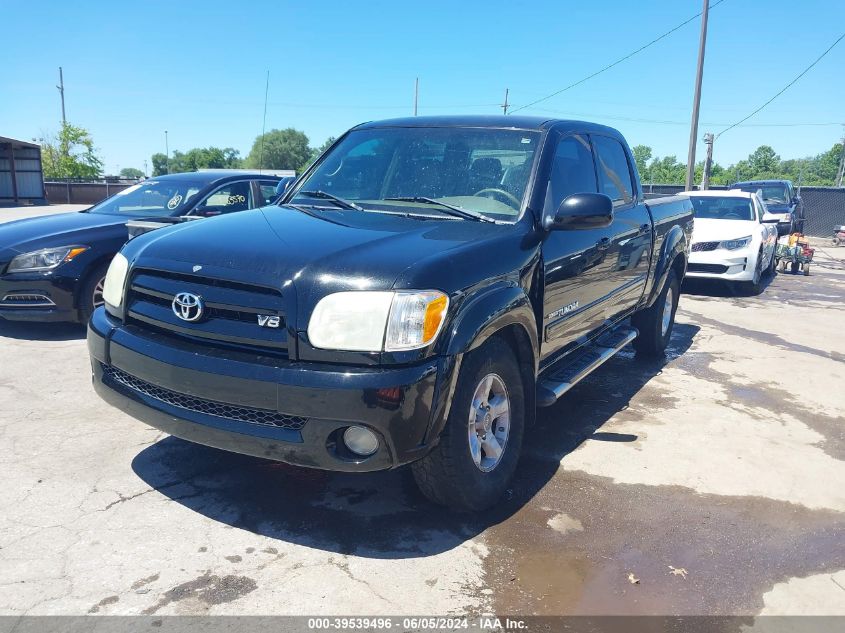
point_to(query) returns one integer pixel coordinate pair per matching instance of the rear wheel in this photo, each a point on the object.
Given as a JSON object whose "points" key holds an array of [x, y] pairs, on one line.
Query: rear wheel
{"points": [[472, 465], [655, 323], [91, 295]]}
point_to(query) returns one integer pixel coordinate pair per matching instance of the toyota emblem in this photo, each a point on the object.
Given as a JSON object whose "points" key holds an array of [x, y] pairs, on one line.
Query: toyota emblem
{"points": [[188, 307]]}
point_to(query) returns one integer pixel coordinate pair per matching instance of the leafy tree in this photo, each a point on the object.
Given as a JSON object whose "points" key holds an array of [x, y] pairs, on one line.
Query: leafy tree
{"points": [[70, 154], [131, 172], [281, 149], [667, 170], [642, 154], [196, 158]]}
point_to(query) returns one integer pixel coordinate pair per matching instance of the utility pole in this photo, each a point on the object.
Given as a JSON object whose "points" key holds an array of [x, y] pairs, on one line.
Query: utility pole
{"points": [[416, 94], [841, 172], [61, 88], [505, 104], [708, 162], [696, 103], [145, 168], [166, 154]]}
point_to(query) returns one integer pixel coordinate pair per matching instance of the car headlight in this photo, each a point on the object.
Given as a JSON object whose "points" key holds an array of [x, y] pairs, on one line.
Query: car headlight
{"points": [[733, 245], [115, 280], [370, 321], [45, 259]]}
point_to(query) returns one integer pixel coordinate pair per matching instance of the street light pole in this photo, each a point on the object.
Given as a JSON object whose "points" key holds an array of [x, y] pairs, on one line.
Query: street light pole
{"points": [[166, 154], [693, 134]]}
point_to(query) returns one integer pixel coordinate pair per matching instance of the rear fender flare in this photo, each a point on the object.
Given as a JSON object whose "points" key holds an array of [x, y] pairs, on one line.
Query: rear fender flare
{"points": [[674, 246]]}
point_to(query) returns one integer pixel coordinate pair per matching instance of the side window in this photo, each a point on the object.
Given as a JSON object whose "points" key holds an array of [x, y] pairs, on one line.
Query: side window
{"points": [[614, 173], [573, 171], [231, 197], [268, 192]]}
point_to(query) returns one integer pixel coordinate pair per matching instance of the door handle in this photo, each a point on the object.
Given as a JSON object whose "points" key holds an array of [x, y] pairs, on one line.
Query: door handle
{"points": [[603, 244], [644, 228]]}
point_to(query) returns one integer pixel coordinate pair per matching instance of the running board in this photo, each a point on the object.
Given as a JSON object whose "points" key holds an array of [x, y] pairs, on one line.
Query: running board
{"points": [[562, 378]]}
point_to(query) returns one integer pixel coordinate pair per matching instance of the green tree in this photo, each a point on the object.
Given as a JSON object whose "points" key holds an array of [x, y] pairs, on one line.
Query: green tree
{"points": [[70, 154], [196, 158], [642, 154], [281, 149], [667, 170], [131, 172], [764, 162]]}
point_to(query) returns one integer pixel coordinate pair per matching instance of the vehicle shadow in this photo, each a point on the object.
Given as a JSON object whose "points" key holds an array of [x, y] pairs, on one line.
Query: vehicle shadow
{"points": [[24, 330], [382, 515], [718, 288]]}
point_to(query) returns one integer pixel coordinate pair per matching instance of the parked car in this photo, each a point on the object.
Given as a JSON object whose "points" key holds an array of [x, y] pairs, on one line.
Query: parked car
{"points": [[734, 238], [423, 288], [781, 201], [52, 268]]}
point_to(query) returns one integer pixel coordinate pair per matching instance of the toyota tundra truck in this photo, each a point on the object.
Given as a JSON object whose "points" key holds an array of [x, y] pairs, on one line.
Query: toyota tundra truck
{"points": [[413, 298]]}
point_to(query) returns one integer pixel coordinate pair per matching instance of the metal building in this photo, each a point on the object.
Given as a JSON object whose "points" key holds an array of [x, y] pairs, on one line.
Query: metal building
{"points": [[21, 178]]}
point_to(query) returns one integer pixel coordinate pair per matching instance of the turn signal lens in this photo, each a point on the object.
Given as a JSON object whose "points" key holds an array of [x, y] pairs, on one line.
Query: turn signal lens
{"points": [[415, 319]]}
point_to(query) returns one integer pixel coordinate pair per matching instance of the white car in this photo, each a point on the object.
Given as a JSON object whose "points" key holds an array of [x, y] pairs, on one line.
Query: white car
{"points": [[734, 239]]}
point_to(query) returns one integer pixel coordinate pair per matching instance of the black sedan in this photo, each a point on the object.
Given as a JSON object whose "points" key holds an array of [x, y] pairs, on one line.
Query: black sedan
{"points": [[52, 268]]}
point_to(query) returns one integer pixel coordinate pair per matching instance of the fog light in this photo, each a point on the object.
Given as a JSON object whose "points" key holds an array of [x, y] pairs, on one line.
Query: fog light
{"points": [[360, 440]]}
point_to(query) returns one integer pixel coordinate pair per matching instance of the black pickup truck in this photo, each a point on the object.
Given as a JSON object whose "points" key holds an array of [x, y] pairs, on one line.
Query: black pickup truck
{"points": [[413, 298]]}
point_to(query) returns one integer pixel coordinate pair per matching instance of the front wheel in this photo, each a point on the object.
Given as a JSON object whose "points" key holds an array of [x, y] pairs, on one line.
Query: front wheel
{"points": [[472, 465], [91, 294], [655, 323]]}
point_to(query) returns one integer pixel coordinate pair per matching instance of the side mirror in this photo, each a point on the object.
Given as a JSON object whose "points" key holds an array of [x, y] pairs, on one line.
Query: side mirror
{"points": [[283, 186], [582, 211]]}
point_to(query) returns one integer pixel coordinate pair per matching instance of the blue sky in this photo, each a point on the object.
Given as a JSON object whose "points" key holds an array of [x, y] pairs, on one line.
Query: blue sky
{"points": [[197, 69]]}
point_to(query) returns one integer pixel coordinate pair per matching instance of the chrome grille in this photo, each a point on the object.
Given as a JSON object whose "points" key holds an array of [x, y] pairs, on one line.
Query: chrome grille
{"points": [[704, 246], [266, 417], [231, 310], [26, 300]]}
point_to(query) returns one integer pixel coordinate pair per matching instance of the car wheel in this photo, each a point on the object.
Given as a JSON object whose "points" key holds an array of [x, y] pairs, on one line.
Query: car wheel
{"points": [[655, 323], [773, 263], [794, 268], [91, 295], [755, 286], [478, 450]]}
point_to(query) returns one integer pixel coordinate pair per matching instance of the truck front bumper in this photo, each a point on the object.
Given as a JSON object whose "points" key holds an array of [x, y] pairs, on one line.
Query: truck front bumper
{"points": [[282, 410]]}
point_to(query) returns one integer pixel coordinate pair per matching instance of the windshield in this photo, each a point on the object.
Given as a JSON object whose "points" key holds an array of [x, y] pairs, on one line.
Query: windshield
{"points": [[156, 198], [480, 170], [719, 208], [768, 193]]}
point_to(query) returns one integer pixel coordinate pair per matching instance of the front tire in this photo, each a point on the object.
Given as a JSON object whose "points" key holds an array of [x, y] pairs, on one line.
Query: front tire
{"points": [[655, 323], [474, 462], [91, 294]]}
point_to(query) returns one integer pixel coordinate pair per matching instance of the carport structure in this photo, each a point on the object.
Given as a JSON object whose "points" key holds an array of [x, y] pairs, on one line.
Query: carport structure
{"points": [[21, 177]]}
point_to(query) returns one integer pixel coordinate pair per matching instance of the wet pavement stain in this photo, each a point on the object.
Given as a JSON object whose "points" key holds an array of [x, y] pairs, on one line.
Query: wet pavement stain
{"points": [[144, 581], [733, 549], [103, 603], [207, 589]]}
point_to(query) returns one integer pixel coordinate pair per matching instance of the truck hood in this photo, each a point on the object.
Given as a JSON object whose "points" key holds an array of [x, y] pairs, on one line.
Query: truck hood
{"points": [[709, 230], [280, 247], [64, 229]]}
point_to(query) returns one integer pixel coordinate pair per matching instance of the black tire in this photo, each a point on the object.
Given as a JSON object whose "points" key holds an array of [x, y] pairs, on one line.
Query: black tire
{"points": [[754, 288], [653, 339], [772, 269], [794, 268], [86, 293], [448, 475]]}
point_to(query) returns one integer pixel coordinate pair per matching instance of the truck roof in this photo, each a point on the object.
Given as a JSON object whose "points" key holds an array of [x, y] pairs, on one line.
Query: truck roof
{"points": [[720, 193], [490, 121]]}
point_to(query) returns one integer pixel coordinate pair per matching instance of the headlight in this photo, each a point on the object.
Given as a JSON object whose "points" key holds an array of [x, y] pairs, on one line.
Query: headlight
{"points": [[732, 245], [115, 280], [367, 321], [45, 259]]}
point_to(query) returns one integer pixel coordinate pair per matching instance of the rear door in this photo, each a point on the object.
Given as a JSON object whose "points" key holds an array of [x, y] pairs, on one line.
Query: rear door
{"points": [[630, 235]]}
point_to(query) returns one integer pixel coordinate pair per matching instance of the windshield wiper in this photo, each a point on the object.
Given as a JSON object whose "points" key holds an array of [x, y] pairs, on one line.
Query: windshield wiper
{"points": [[344, 204], [450, 209]]}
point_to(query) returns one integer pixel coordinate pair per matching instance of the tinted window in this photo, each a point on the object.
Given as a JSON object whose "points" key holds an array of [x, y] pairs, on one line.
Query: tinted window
{"points": [[268, 192], [614, 173], [233, 196], [719, 208], [482, 170], [573, 171]]}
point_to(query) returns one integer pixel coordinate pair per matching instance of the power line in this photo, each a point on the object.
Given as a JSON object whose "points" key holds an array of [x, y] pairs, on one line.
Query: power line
{"points": [[618, 61], [786, 87]]}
